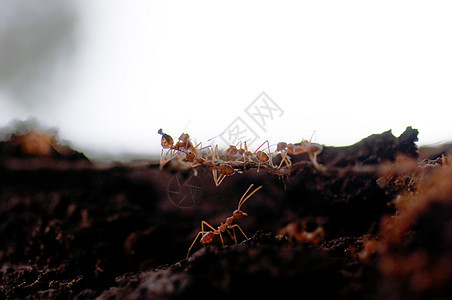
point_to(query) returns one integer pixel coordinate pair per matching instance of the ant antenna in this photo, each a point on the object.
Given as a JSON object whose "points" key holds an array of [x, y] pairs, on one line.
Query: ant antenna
{"points": [[313, 134], [243, 200], [270, 146], [188, 123], [216, 136]]}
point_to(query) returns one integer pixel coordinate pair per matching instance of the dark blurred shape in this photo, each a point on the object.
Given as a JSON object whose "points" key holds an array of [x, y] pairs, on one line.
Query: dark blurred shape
{"points": [[434, 151], [415, 249], [36, 40], [30, 139]]}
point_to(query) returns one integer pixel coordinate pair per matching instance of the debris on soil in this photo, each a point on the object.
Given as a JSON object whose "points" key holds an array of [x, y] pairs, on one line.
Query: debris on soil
{"points": [[374, 223], [30, 139]]}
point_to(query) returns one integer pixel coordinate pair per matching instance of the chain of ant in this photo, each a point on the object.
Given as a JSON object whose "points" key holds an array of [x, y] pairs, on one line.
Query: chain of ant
{"points": [[230, 161], [235, 159]]}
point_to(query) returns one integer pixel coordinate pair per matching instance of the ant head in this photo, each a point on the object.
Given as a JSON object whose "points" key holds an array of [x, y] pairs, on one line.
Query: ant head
{"points": [[237, 214], [281, 146], [231, 150], [167, 141], [316, 148]]}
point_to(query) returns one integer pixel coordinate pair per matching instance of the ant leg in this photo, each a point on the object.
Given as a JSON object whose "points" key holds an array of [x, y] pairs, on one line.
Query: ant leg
{"points": [[192, 244], [246, 153], [214, 153], [285, 159], [221, 178], [206, 147], [236, 225], [313, 158], [207, 224], [270, 155], [221, 238], [234, 236], [195, 148], [255, 151], [215, 177], [288, 161], [163, 159], [268, 147]]}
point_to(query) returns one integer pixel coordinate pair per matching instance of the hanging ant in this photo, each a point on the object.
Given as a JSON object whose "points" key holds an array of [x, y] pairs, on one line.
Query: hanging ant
{"points": [[183, 145], [207, 236], [261, 156], [167, 143], [284, 148]]}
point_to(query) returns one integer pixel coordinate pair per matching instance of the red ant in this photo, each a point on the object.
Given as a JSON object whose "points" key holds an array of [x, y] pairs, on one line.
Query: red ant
{"points": [[261, 156], [243, 152], [298, 230], [167, 143], [207, 236], [219, 171], [193, 160], [183, 145], [313, 149]]}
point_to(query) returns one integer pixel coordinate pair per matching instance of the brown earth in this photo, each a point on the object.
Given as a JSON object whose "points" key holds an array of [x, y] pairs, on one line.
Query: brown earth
{"points": [[70, 228]]}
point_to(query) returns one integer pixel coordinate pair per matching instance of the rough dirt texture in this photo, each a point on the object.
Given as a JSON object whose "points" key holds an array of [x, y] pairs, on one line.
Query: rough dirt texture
{"points": [[72, 229]]}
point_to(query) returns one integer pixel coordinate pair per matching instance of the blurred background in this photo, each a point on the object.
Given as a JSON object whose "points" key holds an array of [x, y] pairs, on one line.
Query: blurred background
{"points": [[109, 74]]}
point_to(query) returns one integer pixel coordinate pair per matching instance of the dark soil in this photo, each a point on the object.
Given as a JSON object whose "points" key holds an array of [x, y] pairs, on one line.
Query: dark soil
{"points": [[70, 228]]}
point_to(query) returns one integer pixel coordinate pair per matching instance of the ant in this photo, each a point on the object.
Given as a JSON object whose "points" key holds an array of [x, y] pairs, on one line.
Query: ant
{"points": [[183, 145], [298, 230], [207, 236], [226, 170], [313, 149], [167, 142], [242, 152], [259, 155], [219, 170], [192, 158]]}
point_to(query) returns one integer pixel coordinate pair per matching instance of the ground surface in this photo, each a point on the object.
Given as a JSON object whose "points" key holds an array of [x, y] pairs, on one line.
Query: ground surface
{"points": [[73, 229]]}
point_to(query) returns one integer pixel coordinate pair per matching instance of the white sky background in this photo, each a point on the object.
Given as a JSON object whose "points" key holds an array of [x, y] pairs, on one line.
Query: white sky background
{"points": [[344, 69]]}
